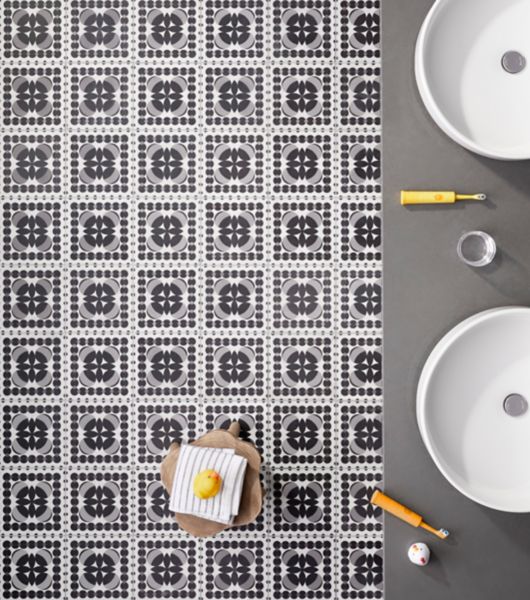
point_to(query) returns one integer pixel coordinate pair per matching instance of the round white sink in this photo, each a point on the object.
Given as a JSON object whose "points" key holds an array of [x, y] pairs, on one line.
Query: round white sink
{"points": [[472, 408], [473, 74]]}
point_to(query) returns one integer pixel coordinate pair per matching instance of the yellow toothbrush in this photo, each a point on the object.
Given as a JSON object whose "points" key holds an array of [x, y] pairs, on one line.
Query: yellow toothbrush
{"points": [[428, 197], [405, 514]]}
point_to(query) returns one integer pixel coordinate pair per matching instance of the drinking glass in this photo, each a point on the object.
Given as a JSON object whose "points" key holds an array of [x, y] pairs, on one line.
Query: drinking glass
{"points": [[476, 248]]}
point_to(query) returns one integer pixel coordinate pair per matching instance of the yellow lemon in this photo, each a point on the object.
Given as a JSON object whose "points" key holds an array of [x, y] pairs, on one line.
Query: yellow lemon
{"points": [[207, 484]]}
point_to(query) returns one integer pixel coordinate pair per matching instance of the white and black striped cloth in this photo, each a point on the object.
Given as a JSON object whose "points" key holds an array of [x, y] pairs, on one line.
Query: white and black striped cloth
{"points": [[223, 507]]}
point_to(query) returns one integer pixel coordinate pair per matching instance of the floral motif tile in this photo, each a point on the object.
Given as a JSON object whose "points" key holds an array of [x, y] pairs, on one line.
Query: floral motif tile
{"points": [[191, 235], [362, 569], [32, 502], [170, 568], [33, 566], [235, 569], [33, 29], [99, 434], [302, 569], [99, 501]]}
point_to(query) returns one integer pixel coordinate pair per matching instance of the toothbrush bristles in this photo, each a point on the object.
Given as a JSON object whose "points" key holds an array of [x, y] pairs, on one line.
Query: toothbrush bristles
{"points": [[444, 532]]}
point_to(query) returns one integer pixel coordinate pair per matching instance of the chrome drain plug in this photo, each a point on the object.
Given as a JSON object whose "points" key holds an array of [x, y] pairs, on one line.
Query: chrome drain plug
{"points": [[513, 62], [515, 405]]}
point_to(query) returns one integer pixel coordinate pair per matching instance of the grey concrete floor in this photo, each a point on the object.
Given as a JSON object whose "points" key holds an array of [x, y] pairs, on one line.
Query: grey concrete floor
{"points": [[426, 292]]}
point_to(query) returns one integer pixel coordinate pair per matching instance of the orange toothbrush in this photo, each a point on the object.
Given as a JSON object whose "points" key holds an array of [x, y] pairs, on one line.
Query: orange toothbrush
{"points": [[405, 514]]}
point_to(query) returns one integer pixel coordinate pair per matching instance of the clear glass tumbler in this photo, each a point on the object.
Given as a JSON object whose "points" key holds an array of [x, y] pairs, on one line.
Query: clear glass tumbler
{"points": [[476, 248]]}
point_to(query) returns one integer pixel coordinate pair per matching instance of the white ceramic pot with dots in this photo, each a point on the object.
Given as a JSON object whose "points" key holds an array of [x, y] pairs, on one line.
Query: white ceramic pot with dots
{"points": [[419, 554]]}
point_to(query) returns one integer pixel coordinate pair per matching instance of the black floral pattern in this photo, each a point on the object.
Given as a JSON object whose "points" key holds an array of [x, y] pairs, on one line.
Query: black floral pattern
{"points": [[368, 434], [32, 231], [234, 231], [303, 434], [302, 231], [302, 28], [166, 164], [100, 96], [32, 569], [245, 423], [166, 231], [303, 502], [166, 96], [234, 298], [302, 163], [361, 505], [167, 298], [234, 163], [170, 240], [32, 501], [367, 299], [33, 28], [234, 28], [167, 28], [167, 366], [168, 567], [100, 163], [367, 164], [302, 96], [367, 366], [366, 96], [99, 298], [32, 366], [234, 366], [234, 96], [165, 431], [302, 298], [99, 501], [167, 570], [99, 434], [159, 503], [303, 569], [32, 434], [237, 95], [99, 230], [99, 366], [31, 298], [365, 28], [367, 232], [235, 569], [32, 163], [367, 569], [99, 569], [302, 366], [100, 28], [32, 96]]}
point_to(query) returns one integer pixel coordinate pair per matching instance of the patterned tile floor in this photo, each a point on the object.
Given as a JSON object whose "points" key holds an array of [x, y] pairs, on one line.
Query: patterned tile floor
{"points": [[191, 234]]}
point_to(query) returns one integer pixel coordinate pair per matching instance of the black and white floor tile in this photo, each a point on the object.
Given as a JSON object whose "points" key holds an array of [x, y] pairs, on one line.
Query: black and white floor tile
{"points": [[190, 234]]}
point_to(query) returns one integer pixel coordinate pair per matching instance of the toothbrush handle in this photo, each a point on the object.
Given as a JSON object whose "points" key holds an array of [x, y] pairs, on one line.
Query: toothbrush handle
{"points": [[396, 509], [427, 197]]}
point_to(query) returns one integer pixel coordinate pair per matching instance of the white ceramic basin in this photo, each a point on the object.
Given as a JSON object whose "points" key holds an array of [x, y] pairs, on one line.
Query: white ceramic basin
{"points": [[481, 449], [461, 79]]}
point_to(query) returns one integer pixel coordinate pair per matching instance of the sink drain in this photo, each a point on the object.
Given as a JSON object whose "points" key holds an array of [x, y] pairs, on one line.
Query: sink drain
{"points": [[515, 405], [513, 62]]}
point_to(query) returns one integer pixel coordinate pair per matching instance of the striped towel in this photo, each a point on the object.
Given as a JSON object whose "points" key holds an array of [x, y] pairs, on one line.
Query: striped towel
{"points": [[223, 507]]}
